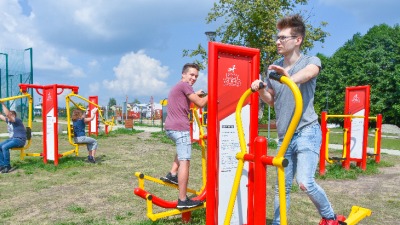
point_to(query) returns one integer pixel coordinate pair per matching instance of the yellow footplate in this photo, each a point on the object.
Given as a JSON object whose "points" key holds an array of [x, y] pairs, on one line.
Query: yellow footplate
{"points": [[357, 214]]}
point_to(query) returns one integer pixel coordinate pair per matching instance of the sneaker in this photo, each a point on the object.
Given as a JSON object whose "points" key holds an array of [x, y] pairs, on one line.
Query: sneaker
{"points": [[339, 220], [91, 159], [188, 203], [6, 169], [170, 179]]}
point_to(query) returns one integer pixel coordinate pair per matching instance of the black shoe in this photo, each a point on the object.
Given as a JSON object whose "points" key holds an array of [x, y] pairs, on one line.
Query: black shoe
{"points": [[6, 169], [91, 159], [170, 179], [188, 203]]}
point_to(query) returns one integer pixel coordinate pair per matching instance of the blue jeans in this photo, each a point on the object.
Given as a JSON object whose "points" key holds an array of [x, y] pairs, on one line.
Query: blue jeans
{"points": [[183, 143], [303, 155], [5, 147]]}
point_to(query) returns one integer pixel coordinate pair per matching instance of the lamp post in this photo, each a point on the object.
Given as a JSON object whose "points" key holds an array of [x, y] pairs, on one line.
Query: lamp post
{"points": [[211, 35], [327, 97]]}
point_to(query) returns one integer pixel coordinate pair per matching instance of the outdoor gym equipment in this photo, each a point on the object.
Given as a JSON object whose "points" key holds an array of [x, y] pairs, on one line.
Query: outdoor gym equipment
{"points": [[28, 127], [231, 71], [355, 131], [49, 94], [94, 124], [152, 199], [261, 160]]}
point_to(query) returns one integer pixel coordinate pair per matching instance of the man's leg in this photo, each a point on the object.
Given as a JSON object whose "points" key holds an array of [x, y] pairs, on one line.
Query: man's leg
{"points": [[11, 143], [175, 166], [183, 178], [309, 144]]}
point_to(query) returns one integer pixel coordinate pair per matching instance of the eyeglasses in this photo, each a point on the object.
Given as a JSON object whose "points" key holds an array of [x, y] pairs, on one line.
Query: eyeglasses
{"points": [[282, 38]]}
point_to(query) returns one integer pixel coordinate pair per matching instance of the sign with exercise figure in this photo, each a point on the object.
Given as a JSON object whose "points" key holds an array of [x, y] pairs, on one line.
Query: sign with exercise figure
{"points": [[94, 124], [50, 111], [357, 104], [231, 71]]}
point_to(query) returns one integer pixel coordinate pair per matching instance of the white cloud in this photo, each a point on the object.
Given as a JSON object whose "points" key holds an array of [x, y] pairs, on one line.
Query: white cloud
{"points": [[87, 40], [94, 88], [139, 75]]}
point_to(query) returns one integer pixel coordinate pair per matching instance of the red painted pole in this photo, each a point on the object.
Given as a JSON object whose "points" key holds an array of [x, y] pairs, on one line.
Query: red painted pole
{"points": [[347, 128], [260, 183], [379, 137], [322, 154]]}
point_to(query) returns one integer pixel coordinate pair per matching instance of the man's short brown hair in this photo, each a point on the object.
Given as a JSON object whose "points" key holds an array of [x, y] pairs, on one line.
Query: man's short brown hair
{"points": [[295, 22], [190, 65]]}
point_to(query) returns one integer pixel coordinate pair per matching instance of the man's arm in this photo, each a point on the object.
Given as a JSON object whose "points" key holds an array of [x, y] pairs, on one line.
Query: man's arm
{"points": [[197, 100], [5, 111], [302, 76], [266, 95]]}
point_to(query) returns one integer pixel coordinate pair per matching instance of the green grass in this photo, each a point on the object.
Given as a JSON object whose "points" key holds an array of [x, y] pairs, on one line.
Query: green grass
{"points": [[336, 137], [76, 192], [336, 171]]}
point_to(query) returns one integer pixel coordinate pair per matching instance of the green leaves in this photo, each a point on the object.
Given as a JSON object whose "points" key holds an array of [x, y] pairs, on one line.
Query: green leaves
{"points": [[372, 59], [252, 24]]}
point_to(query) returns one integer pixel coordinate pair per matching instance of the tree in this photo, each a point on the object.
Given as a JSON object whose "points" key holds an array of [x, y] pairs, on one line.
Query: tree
{"points": [[136, 101], [112, 102], [372, 59], [252, 24]]}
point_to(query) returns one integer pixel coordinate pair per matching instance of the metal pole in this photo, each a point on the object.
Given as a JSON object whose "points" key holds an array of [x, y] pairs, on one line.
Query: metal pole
{"points": [[8, 104], [327, 97], [269, 122], [22, 108], [31, 76]]}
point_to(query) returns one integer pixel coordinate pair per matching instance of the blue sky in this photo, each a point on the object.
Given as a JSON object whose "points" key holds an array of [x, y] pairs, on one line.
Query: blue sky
{"points": [[134, 48]]}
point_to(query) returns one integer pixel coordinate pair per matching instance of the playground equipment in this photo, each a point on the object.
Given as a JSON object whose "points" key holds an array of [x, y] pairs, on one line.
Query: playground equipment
{"points": [[152, 199], [355, 131], [247, 202], [28, 127], [93, 103], [261, 160], [50, 119], [231, 69], [94, 124]]}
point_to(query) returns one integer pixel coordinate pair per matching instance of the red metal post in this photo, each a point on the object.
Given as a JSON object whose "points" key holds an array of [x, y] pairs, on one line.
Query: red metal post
{"points": [[260, 183], [322, 153], [379, 137], [347, 128], [212, 154]]}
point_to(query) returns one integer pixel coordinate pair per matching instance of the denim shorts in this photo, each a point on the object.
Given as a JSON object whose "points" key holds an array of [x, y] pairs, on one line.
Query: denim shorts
{"points": [[183, 144]]}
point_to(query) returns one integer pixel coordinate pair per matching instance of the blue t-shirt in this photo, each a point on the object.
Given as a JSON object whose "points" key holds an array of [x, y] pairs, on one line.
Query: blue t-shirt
{"points": [[79, 127], [16, 129]]}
